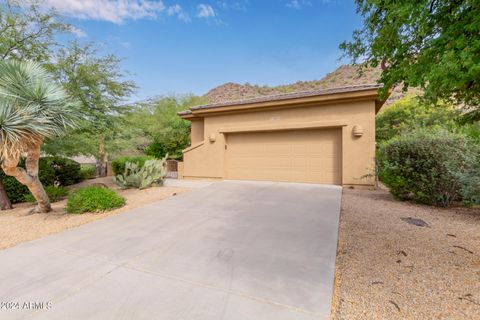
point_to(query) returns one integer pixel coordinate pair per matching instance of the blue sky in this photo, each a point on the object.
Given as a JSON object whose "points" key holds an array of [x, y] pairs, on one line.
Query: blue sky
{"points": [[192, 46]]}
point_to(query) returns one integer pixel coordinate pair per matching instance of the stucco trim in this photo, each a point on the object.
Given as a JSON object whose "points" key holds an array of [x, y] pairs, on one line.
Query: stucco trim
{"points": [[300, 125], [195, 146]]}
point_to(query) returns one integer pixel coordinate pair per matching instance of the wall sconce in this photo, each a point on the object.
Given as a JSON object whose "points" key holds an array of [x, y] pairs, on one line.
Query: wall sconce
{"points": [[357, 131], [212, 138]]}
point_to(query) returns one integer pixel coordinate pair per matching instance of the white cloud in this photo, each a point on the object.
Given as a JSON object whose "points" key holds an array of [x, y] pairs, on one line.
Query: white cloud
{"points": [[125, 44], [116, 11], [177, 10], [78, 32], [298, 4], [240, 5], [205, 11]]}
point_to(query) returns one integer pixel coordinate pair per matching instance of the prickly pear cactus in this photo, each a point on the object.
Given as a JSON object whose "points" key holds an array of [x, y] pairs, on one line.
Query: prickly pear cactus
{"points": [[152, 173]]}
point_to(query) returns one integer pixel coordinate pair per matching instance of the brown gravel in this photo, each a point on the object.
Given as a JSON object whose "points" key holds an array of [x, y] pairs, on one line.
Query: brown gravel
{"points": [[18, 226], [389, 269]]}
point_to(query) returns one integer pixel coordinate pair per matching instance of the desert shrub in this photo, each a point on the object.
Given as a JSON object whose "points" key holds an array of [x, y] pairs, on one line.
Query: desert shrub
{"points": [[16, 191], [156, 149], [87, 171], [93, 199], [67, 171], [425, 166], [54, 194], [470, 177], [409, 114], [152, 173], [471, 187], [470, 130], [118, 165], [173, 145], [51, 171], [46, 173]]}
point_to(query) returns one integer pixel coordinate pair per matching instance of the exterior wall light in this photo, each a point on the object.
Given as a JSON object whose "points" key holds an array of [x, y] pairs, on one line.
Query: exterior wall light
{"points": [[212, 138], [357, 131]]}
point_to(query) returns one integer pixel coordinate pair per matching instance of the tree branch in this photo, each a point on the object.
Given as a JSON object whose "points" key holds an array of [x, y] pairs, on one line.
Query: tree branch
{"points": [[431, 6]]}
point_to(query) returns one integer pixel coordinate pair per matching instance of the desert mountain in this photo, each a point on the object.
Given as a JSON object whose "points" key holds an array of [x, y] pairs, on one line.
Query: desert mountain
{"points": [[346, 75]]}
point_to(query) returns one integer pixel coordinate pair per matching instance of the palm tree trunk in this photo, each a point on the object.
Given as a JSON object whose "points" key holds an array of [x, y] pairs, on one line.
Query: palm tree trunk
{"points": [[5, 203], [29, 178]]}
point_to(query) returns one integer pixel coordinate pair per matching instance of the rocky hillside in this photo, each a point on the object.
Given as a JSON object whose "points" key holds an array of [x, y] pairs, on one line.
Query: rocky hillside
{"points": [[346, 75]]}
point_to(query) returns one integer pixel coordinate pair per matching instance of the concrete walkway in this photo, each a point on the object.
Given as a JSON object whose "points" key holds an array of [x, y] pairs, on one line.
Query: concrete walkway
{"points": [[228, 250]]}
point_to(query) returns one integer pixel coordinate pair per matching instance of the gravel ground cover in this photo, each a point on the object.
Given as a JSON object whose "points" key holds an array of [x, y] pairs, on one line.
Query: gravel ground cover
{"points": [[398, 260], [18, 226]]}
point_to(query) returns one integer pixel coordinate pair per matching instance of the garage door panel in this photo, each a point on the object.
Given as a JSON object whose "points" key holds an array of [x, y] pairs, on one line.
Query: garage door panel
{"points": [[295, 156]]}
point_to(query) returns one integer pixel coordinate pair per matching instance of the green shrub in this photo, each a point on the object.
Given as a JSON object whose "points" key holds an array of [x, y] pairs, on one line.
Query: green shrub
{"points": [[54, 194], [93, 199], [46, 173], [87, 171], [16, 191], [51, 171], [425, 166], [172, 145], [156, 149], [470, 177], [470, 130], [67, 171], [118, 165]]}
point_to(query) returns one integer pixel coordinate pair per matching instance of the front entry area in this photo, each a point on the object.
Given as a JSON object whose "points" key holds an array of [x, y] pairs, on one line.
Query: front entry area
{"points": [[313, 156]]}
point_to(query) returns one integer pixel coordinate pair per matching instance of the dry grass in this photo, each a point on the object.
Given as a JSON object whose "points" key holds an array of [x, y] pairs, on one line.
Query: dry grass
{"points": [[389, 269], [18, 226]]}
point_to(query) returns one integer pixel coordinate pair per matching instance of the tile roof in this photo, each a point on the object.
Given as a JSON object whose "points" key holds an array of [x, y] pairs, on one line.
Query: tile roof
{"points": [[284, 96]]}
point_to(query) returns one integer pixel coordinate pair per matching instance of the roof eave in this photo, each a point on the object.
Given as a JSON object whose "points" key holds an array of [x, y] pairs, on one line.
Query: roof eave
{"points": [[379, 103], [187, 114], [370, 94]]}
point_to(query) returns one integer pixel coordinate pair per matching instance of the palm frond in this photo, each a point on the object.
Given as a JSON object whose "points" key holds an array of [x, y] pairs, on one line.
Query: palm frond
{"points": [[32, 107]]}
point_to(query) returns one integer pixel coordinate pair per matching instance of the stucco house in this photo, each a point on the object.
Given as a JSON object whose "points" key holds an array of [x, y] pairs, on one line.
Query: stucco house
{"points": [[323, 136]]}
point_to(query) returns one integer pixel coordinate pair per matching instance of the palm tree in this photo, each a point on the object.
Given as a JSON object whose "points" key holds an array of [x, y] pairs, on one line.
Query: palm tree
{"points": [[32, 108]]}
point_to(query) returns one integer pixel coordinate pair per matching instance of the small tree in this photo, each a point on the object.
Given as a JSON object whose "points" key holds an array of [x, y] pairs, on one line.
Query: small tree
{"points": [[32, 107], [98, 84], [157, 118]]}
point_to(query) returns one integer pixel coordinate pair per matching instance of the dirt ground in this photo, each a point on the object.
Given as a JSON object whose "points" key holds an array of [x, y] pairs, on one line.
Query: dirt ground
{"points": [[18, 226], [390, 269]]}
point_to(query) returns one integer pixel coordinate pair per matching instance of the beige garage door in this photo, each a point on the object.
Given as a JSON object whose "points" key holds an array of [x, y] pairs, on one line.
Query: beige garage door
{"points": [[293, 156]]}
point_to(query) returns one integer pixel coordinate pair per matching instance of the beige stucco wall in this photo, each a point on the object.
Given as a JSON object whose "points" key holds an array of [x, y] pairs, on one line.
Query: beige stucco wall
{"points": [[207, 159], [196, 131], [180, 170]]}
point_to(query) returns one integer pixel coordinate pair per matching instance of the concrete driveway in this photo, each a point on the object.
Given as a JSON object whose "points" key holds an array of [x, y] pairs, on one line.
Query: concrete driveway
{"points": [[229, 250]]}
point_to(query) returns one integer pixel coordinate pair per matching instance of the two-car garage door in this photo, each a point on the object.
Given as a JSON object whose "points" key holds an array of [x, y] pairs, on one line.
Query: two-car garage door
{"points": [[292, 155]]}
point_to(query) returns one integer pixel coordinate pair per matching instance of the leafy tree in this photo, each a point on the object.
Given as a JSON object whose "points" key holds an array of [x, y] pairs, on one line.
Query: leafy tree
{"points": [[26, 32], [411, 113], [159, 122], [32, 107], [97, 82], [432, 44]]}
